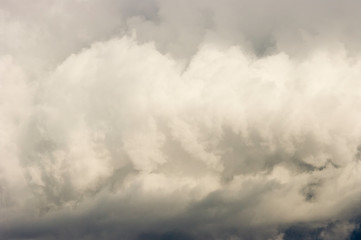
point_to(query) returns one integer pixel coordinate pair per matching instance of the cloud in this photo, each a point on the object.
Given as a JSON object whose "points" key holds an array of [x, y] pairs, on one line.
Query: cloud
{"points": [[172, 120]]}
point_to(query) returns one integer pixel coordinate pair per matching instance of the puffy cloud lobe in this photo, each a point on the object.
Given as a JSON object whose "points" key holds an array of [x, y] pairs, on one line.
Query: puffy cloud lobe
{"points": [[124, 140], [226, 137]]}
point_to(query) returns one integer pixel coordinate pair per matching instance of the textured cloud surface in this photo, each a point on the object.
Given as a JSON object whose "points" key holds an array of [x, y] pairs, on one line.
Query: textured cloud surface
{"points": [[169, 120]]}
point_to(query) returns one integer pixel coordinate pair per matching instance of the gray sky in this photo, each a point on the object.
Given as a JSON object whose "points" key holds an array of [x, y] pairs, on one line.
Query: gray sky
{"points": [[180, 120]]}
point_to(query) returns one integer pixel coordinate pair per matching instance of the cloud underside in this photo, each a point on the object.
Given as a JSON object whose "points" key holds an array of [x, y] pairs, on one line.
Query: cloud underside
{"points": [[167, 120]]}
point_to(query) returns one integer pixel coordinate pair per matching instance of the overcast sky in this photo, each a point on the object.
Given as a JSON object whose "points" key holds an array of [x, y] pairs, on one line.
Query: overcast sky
{"points": [[180, 119]]}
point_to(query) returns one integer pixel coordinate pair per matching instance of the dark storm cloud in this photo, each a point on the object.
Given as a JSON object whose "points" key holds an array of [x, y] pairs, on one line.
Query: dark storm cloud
{"points": [[176, 119]]}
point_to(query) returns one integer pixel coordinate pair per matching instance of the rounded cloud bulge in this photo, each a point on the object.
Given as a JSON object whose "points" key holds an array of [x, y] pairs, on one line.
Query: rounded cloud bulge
{"points": [[179, 120]]}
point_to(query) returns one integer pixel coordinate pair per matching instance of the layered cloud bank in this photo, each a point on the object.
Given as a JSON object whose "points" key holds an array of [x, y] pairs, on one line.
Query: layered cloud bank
{"points": [[180, 120]]}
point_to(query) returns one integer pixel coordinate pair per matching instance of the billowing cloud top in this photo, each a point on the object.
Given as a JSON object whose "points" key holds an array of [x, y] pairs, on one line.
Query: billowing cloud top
{"points": [[179, 119]]}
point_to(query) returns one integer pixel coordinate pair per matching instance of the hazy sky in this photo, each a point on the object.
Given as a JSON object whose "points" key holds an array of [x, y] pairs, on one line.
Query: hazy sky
{"points": [[180, 119]]}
